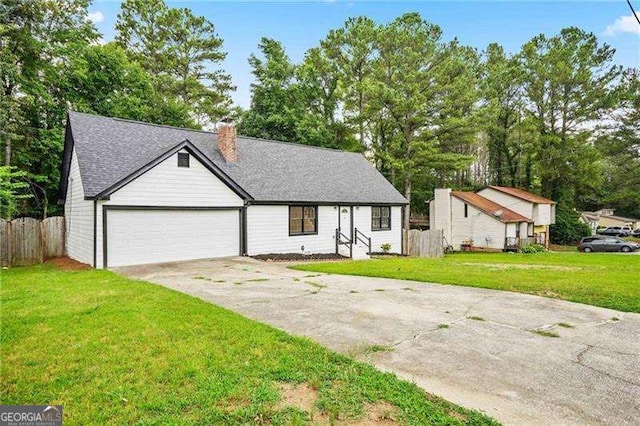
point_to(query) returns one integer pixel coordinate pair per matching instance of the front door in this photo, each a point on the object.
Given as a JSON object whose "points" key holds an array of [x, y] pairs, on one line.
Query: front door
{"points": [[344, 221]]}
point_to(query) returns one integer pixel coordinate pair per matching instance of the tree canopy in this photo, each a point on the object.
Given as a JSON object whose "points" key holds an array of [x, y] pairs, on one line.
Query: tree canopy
{"points": [[557, 117]]}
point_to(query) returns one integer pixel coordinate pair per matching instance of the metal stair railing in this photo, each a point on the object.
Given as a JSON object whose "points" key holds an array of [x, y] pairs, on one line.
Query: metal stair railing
{"points": [[345, 242], [360, 236]]}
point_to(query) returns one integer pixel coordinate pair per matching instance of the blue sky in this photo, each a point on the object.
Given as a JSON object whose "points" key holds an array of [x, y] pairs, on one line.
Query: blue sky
{"points": [[301, 25]]}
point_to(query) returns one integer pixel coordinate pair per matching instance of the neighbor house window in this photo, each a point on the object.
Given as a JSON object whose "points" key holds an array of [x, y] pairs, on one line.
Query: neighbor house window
{"points": [[466, 210], [380, 218], [303, 220], [183, 159]]}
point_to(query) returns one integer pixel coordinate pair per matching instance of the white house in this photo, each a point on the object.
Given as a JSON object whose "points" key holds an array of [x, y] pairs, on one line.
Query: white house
{"points": [[467, 218], [137, 193], [540, 210]]}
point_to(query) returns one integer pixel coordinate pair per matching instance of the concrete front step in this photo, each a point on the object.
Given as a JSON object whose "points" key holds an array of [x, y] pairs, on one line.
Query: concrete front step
{"points": [[360, 251]]}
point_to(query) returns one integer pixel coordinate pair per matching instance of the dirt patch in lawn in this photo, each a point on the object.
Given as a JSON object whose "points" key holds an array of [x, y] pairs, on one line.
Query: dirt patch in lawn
{"points": [[298, 257], [301, 396], [67, 264], [380, 413], [304, 397], [522, 266]]}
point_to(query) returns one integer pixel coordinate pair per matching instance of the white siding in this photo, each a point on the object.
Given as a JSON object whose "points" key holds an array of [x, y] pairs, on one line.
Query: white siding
{"points": [[78, 216], [169, 185], [542, 214], [268, 231], [525, 208], [484, 230], [440, 216], [362, 221]]}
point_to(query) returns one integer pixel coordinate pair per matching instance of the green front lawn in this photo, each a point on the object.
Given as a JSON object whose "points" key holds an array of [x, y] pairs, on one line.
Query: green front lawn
{"points": [[601, 279], [114, 350]]}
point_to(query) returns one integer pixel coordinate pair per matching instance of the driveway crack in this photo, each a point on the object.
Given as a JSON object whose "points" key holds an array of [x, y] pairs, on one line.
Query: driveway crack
{"points": [[427, 331], [580, 361]]}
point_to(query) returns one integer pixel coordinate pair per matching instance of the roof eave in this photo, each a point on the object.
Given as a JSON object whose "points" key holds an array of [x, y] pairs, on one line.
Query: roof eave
{"points": [[499, 189], [327, 203], [65, 166]]}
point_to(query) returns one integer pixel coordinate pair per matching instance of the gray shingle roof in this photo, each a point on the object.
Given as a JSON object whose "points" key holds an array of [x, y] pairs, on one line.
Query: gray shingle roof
{"points": [[110, 149]]}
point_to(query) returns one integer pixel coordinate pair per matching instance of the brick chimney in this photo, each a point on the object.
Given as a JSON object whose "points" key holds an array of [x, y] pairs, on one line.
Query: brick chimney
{"points": [[227, 142]]}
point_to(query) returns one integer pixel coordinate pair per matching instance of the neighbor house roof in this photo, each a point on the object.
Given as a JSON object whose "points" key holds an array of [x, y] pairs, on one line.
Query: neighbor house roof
{"points": [[489, 207], [595, 216], [589, 216], [111, 149], [523, 195]]}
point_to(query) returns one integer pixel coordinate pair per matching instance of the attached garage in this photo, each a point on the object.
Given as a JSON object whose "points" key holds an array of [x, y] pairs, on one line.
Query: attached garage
{"points": [[146, 235]]}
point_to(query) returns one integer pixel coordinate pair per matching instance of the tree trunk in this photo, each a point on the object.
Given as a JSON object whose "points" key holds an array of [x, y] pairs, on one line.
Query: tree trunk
{"points": [[407, 195], [7, 151], [361, 119]]}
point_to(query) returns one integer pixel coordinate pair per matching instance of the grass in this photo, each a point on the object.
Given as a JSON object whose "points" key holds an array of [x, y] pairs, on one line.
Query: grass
{"points": [[373, 349], [475, 318], [545, 333], [119, 351], [600, 279]]}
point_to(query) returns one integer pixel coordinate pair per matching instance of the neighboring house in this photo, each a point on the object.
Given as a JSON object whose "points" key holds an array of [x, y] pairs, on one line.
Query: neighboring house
{"points": [[604, 218], [467, 218], [590, 219], [137, 193], [540, 210]]}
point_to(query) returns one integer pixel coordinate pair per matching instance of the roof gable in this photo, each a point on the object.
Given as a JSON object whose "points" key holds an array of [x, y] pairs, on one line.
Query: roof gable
{"points": [[184, 145], [522, 194], [490, 208]]}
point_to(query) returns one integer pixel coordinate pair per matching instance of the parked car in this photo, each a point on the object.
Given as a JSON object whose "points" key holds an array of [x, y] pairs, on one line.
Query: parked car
{"points": [[600, 243], [636, 233], [617, 231]]}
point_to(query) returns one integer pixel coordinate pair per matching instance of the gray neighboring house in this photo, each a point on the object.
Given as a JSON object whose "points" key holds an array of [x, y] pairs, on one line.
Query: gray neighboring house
{"points": [[139, 193]]}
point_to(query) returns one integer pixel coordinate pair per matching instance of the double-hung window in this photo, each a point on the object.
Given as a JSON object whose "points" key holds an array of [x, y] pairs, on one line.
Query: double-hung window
{"points": [[380, 218], [303, 220]]}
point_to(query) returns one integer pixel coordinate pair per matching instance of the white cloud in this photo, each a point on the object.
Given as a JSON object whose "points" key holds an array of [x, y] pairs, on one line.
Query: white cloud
{"points": [[95, 17], [624, 24]]}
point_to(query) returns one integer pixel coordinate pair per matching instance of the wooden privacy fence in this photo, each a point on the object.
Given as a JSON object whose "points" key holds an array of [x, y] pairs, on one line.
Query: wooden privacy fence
{"points": [[423, 243], [27, 241]]}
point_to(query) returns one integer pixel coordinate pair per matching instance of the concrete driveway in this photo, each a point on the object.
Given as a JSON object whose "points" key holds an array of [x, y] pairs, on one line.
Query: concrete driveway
{"points": [[474, 347]]}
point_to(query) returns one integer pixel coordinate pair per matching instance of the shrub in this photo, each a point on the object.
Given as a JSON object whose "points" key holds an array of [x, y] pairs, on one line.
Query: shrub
{"points": [[568, 229], [533, 248], [386, 247]]}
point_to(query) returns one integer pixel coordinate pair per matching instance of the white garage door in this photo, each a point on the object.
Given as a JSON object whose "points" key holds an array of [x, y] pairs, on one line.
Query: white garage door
{"points": [[136, 237]]}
